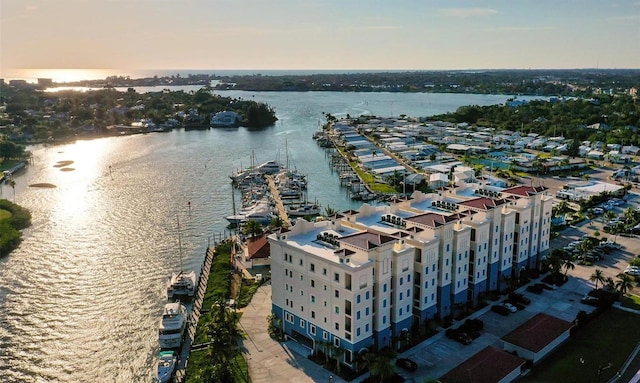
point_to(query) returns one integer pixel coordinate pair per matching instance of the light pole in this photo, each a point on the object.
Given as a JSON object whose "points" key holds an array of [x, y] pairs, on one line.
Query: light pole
{"points": [[330, 378]]}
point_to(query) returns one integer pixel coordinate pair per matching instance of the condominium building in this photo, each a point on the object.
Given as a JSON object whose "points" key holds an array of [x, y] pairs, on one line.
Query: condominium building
{"points": [[362, 279]]}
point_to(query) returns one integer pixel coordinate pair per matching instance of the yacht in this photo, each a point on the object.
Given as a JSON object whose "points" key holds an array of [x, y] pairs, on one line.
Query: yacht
{"points": [[167, 361], [172, 325], [181, 285]]}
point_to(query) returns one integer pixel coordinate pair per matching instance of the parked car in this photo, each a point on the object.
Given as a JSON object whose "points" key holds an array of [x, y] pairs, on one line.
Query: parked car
{"points": [[544, 286], [589, 300], [510, 307], [407, 364], [474, 323], [632, 270], [500, 309], [535, 289], [517, 297], [458, 336]]}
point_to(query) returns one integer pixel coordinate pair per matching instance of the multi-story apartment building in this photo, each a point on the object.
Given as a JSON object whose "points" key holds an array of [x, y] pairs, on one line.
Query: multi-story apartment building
{"points": [[363, 278]]}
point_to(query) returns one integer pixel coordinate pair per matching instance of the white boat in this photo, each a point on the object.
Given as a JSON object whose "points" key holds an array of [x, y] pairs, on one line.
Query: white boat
{"points": [[181, 285], [172, 325], [304, 210], [167, 361], [259, 211]]}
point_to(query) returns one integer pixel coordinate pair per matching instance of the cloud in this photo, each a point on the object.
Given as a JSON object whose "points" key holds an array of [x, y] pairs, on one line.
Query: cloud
{"points": [[519, 29], [469, 12]]}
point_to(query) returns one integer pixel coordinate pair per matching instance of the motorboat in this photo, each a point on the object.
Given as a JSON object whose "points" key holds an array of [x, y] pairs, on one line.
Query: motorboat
{"points": [[167, 362], [181, 284], [172, 325], [304, 210]]}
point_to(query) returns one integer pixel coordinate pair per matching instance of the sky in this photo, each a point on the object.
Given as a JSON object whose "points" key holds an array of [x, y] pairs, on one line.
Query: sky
{"points": [[318, 34]]}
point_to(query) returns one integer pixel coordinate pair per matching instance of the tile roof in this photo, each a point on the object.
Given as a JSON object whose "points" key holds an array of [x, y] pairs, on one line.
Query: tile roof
{"points": [[258, 247], [537, 332], [435, 220], [367, 240], [490, 365], [483, 203], [525, 191]]}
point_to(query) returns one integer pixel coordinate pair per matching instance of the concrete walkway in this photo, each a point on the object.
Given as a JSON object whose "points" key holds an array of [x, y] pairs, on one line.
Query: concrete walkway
{"points": [[271, 361]]}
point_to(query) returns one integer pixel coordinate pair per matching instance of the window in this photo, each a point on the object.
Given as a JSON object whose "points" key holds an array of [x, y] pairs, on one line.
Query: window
{"points": [[313, 283], [357, 314], [409, 278], [408, 293], [324, 271], [366, 327], [312, 329], [400, 313], [302, 323], [336, 293], [324, 335], [448, 247], [400, 296], [366, 295], [313, 268], [301, 262], [337, 309], [313, 314], [358, 298], [288, 317], [358, 331], [366, 311], [313, 299], [301, 293], [336, 325], [301, 277], [325, 287], [336, 277], [384, 319], [336, 341], [447, 261], [384, 303]]}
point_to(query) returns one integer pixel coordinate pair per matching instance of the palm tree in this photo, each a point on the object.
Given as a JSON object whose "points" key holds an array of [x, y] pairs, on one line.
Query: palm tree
{"points": [[630, 215], [253, 228], [380, 365], [624, 283], [610, 214], [597, 276], [329, 211], [337, 352], [568, 264]]}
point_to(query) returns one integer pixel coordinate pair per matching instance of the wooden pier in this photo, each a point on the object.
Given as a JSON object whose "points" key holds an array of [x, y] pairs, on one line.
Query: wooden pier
{"points": [[275, 194], [198, 299]]}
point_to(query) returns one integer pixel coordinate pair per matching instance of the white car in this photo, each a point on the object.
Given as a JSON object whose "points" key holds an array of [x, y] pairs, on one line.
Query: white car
{"points": [[510, 307], [632, 270]]}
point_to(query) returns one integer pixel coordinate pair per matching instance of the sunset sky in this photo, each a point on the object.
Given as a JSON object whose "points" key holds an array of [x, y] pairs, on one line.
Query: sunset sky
{"points": [[318, 34]]}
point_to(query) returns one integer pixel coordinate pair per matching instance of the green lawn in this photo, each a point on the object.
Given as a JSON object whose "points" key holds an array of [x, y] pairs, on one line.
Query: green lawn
{"points": [[609, 338], [631, 301]]}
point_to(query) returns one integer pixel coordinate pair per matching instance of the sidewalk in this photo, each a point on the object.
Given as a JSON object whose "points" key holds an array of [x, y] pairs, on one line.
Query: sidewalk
{"points": [[271, 361]]}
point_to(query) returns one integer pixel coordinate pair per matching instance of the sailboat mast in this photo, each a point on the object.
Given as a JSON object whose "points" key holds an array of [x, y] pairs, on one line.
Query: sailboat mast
{"points": [[179, 242]]}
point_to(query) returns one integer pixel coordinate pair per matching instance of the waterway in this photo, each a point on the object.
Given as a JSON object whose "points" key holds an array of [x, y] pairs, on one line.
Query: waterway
{"points": [[81, 298]]}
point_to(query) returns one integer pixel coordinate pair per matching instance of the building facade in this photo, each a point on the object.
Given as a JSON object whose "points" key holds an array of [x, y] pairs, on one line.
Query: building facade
{"points": [[362, 279]]}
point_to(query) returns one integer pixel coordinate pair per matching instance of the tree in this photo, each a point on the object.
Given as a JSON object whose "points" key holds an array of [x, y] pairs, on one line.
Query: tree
{"points": [[337, 352], [380, 365], [329, 211], [624, 283], [597, 276], [252, 228], [610, 215], [568, 264]]}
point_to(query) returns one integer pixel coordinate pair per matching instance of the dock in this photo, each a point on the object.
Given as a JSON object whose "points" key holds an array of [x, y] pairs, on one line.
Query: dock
{"points": [[275, 194], [194, 316]]}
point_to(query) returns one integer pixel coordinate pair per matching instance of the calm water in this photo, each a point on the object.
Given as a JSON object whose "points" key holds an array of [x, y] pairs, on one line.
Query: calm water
{"points": [[81, 298]]}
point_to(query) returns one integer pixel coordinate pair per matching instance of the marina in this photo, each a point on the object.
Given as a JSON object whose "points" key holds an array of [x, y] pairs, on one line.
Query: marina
{"points": [[107, 227]]}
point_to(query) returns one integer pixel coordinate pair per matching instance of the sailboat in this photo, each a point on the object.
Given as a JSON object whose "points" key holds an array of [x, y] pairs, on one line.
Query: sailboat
{"points": [[181, 284]]}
